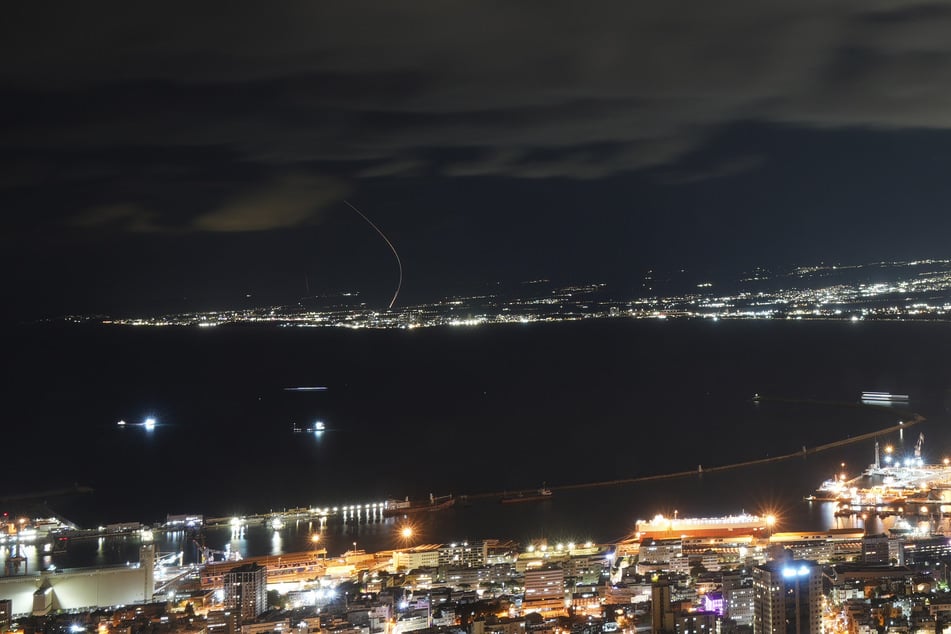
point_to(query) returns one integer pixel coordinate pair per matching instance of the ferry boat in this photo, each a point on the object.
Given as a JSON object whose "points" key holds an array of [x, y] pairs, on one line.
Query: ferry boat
{"points": [[831, 490], [883, 397], [661, 527]]}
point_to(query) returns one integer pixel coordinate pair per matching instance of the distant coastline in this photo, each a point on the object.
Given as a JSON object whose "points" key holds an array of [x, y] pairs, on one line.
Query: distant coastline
{"points": [[903, 291]]}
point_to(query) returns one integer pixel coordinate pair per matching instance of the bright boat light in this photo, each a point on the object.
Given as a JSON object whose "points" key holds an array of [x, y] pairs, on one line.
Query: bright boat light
{"points": [[149, 424]]}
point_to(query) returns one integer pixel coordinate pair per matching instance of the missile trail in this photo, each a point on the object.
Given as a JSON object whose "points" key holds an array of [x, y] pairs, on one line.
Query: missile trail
{"points": [[392, 248]]}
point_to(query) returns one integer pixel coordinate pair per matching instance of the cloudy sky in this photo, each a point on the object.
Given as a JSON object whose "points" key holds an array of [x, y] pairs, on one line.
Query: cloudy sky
{"points": [[186, 155]]}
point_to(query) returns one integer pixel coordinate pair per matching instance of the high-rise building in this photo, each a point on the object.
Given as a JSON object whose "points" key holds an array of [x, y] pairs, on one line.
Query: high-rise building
{"points": [[245, 590], [787, 597], [738, 604], [662, 613]]}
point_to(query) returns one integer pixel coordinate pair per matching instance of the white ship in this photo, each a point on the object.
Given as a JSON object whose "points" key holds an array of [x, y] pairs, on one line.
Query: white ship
{"points": [[661, 527], [875, 398]]}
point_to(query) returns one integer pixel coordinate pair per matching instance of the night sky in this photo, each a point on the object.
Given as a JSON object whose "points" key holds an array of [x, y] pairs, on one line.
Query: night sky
{"points": [[172, 156]]}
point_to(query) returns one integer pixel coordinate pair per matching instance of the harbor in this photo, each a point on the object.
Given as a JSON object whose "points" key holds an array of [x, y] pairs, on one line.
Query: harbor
{"points": [[904, 490], [907, 489]]}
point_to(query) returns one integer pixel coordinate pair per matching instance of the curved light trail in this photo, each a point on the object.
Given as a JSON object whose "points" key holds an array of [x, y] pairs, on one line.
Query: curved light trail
{"points": [[392, 248]]}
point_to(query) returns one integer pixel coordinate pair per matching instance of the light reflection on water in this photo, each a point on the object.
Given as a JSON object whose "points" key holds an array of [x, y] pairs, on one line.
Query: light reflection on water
{"points": [[601, 513], [538, 521], [337, 536]]}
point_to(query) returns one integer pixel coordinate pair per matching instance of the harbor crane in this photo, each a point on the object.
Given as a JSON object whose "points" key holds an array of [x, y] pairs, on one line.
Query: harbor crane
{"points": [[207, 555], [169, 559], [921, 441]]}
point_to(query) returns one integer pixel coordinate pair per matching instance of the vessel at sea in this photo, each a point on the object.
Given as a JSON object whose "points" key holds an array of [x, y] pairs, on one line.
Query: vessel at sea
{"points": [[883, 398], [541, 494], [661, 527], [317, 428], [396, 508]]}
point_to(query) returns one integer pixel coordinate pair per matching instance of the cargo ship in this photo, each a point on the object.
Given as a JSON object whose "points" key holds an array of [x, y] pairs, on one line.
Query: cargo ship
{"points": [[661, 527], [397, 508], [541, 494]]}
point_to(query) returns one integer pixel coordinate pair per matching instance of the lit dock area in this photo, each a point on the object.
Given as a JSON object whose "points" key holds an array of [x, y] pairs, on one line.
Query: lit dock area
{"points": [[348, 512]]}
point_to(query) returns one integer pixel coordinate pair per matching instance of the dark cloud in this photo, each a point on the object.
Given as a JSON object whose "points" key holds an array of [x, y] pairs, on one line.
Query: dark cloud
{"points": [[731, 167], [292, 201], [378, 86], [116, 217], [406, 167]]}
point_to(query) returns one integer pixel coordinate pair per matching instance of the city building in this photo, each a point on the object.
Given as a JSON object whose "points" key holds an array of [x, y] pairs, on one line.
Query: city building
{"points": [[738, 605], [662, 614], [422, 556], [463, 555], [875, 549], [737, 591], [544, 589], [222, 622], [787, 597], [659, 554], [245, 591], [499, 552], [834, 544], [586, 568], [6, 614], [927, 550], [698, 622]]}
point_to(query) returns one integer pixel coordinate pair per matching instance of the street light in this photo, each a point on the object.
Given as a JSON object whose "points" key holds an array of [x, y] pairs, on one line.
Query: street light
{"points": [[406, 534]]}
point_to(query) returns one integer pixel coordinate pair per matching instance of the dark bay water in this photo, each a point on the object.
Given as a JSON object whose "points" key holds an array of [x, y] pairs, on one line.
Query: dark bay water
{"points": [[460, 411]]}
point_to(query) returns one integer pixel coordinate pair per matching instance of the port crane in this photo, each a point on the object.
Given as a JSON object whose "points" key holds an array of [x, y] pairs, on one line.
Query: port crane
{"points": [[921, 441], [169, 559], [207, 555]]}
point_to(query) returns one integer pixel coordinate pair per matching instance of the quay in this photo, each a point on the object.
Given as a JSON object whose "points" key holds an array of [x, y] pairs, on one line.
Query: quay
{"points": [[902, 507]]}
